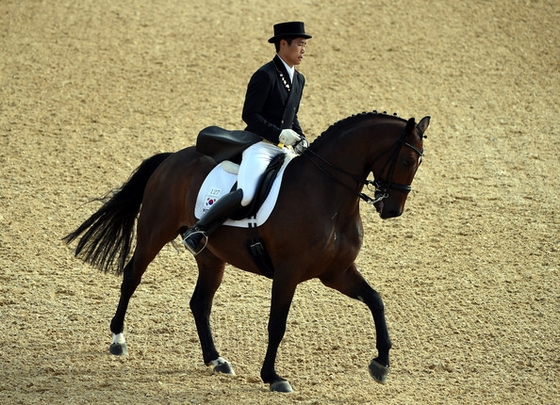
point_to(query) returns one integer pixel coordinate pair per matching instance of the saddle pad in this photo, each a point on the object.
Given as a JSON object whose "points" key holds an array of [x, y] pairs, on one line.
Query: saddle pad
{"points": [[220, 181]]}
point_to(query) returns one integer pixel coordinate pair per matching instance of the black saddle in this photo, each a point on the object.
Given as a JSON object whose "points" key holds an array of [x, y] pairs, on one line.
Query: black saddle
{"points": [[222, 144]]}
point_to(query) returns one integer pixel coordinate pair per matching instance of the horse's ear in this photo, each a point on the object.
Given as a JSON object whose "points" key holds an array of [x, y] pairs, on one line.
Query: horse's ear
{"points": [[410, 124], [423, 124]]}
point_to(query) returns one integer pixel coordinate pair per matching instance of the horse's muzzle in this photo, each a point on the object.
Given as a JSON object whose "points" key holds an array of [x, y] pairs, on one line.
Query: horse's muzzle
{"points": [[385, 211]]}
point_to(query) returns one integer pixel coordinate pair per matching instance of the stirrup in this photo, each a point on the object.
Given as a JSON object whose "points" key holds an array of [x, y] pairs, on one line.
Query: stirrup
{"points": [[191, 232]]}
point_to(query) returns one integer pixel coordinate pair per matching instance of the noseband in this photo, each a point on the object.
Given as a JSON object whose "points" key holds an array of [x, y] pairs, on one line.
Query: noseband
{"points": [[381, 188]]}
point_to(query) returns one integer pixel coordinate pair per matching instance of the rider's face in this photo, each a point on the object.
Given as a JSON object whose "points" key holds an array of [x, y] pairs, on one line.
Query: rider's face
{"points": [[292, 53]]}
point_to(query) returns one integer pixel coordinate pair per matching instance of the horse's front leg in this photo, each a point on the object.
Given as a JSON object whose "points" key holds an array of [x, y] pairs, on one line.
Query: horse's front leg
{"points": [[282, 295], [211, 271], [351, 283]]}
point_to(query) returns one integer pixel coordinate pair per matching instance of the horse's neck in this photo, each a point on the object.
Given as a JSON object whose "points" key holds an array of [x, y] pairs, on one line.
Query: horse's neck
{"points": [[336, 166], [344, 152], [350, 153]]}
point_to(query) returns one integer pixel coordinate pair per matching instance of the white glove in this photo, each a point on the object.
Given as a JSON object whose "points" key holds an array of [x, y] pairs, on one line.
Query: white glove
{"points": [[288, 137], [301, 146]]}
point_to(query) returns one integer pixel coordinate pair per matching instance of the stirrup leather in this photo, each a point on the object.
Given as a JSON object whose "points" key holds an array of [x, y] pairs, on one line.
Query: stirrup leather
{"points": [[191, 232]]}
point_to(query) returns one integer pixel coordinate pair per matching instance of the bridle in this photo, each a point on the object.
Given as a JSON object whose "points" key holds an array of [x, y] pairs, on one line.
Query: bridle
{"points": [[381, 188]]}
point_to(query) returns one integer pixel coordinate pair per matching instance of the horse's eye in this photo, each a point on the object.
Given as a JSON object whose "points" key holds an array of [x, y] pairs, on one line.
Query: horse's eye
{"points": [[406, 162]]}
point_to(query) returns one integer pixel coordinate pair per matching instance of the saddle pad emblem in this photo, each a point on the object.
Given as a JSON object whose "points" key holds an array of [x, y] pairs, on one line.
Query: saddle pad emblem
{"points": [[212, 196]]}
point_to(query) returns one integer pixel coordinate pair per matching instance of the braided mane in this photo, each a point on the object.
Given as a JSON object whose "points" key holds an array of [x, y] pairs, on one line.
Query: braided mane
{"points": [[353, 119]]}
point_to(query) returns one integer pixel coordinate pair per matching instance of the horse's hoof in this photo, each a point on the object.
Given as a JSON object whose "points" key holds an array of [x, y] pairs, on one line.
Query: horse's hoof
{"points": [[281, 386], [378, 372], [118, 349], [223, 366]]}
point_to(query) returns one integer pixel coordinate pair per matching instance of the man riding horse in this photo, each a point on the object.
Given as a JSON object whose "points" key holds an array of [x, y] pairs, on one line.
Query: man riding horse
{"points": [[270, 111]]}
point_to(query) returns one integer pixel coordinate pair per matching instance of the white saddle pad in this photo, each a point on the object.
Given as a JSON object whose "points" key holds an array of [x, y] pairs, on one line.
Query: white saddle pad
{"points": [[220, 181]]}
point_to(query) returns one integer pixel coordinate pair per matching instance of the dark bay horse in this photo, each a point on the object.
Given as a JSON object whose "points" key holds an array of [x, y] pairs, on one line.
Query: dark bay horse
{"points": [[315, 230]]}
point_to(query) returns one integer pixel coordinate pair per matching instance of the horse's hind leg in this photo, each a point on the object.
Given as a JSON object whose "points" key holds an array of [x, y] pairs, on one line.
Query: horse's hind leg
{"points": [[132, 276], [351, 283], [211, 271], [118, 346], [153, 233]]}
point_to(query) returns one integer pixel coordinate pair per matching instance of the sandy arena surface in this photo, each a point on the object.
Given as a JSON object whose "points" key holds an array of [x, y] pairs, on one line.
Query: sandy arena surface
{"points": [[469, 274]]}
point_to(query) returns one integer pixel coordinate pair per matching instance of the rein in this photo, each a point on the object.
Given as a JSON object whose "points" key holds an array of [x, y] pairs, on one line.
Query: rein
{"points": [[381, 188]]}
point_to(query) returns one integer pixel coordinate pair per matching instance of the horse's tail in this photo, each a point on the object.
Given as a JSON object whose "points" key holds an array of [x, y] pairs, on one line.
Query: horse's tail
{"points": [[107, 234]]}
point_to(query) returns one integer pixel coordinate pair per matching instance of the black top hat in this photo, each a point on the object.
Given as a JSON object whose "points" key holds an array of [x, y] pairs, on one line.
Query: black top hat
{"points": [[292, 29]]}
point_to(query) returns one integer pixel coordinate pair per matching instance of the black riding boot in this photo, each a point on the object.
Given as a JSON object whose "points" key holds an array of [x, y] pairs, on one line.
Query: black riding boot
{"points": [[211, 220]]}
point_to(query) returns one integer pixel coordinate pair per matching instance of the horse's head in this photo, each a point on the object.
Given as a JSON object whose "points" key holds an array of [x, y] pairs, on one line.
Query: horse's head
{"points": [[394, 173]]}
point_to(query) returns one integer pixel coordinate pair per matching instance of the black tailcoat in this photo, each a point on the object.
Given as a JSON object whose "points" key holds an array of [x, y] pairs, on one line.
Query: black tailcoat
{"points": [[266, 98]]}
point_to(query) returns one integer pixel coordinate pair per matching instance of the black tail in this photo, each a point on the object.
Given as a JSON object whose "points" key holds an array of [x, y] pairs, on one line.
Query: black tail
{"points": [[108, 233]]}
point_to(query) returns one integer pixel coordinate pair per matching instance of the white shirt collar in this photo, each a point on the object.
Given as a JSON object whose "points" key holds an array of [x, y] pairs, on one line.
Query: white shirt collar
{"points": [[290, 70]]}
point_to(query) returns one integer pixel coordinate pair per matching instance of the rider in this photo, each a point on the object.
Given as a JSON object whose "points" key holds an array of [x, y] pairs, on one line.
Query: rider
{"points": [[270, 110]]}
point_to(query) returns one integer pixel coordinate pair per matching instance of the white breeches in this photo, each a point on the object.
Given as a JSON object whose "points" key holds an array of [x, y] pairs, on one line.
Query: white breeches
{"points": [[254, 161]]}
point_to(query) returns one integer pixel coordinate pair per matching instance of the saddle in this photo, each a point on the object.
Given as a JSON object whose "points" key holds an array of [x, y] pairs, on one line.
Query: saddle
{"points": [[222, 144]]}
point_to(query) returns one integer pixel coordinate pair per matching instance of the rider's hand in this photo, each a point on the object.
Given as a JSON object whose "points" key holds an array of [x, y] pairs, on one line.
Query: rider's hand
{"points": [[288, 137], [301, 145]]}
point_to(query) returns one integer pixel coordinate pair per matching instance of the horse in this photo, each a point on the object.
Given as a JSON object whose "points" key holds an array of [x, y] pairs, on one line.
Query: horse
{"points": [[314, 230]]}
